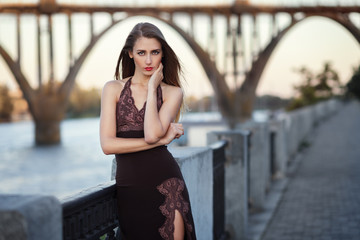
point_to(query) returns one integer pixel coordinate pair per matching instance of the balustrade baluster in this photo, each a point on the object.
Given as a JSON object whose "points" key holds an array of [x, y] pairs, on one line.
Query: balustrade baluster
{"points": [[91, 215]]}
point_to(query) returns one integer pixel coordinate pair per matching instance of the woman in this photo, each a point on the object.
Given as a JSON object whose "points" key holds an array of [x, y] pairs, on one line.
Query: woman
{"points": [[138, 114]]}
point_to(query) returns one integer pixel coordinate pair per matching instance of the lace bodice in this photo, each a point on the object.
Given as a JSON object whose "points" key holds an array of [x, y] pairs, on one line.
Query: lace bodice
{"points": [[128, 116]]}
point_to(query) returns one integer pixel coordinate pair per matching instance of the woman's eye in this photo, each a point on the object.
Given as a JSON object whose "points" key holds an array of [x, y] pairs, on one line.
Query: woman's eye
{"points": [[155, 52], [141, 53]]}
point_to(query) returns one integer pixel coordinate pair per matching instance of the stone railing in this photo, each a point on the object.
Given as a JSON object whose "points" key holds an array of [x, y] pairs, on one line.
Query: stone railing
{"points": [[30, 217], [203, 172], [219, 189], [273, 146], [227, 182], [91, 213], [236, 174]]}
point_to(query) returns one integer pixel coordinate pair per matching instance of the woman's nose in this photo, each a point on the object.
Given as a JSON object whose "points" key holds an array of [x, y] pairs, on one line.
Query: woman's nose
{"points": [[148, 59]]}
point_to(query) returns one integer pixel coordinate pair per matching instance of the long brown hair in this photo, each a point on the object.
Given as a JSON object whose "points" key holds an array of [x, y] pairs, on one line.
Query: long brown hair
{"points": [[170, 61]]}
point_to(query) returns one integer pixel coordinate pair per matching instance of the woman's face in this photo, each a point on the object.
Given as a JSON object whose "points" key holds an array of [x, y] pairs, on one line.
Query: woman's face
{"points": [[147, 54]]}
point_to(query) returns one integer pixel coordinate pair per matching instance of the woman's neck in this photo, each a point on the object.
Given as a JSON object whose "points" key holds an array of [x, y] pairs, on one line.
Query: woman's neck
{"points": [[140, 78]]}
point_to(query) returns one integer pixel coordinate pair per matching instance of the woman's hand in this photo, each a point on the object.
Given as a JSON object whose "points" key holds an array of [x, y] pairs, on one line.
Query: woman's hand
{"points": [[156, 78], [174, 131]]}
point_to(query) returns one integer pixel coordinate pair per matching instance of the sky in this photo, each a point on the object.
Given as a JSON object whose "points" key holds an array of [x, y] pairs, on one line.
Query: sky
{"points": [[310, 43]]}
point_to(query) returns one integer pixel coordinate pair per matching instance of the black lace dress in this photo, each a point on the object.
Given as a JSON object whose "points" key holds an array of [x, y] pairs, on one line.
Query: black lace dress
{"points": [[150, 186]]}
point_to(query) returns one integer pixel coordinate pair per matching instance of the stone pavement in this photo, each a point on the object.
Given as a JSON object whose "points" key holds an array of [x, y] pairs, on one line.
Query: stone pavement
{"points": [[322, 197]]}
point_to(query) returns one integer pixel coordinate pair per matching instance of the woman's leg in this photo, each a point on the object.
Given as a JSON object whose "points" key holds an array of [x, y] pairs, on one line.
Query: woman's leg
{"points": [[179, 230]]}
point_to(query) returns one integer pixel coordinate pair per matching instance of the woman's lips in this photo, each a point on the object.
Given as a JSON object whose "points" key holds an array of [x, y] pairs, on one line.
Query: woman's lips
{"points": [[148, 68]]}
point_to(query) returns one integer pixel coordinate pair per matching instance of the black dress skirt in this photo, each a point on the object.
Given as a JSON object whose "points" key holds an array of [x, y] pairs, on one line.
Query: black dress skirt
{"points": [[150, 186]]}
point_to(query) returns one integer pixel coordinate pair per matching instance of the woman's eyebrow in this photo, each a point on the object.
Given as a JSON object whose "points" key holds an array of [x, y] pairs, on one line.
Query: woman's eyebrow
{"points": [[141, 50]]}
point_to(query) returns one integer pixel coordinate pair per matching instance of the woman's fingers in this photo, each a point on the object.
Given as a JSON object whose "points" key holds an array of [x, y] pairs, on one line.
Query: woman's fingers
{"points": [[179, 130], [160, 68], [179, 127], [171, 133], [157, 76], [175, 131]]}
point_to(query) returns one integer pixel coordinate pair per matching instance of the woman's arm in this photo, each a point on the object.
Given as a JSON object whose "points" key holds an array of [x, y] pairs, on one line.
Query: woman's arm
{"points": [[156, 123], [111, 144]]}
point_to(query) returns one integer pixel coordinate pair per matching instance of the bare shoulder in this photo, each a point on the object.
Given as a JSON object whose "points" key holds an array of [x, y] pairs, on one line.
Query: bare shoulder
{"points": [[169, 90], [114, 87], [114, 84]]}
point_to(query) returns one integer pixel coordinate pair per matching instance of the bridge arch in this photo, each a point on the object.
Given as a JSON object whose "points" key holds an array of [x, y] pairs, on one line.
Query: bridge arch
{"points": [[110, 44], [216, 78], [226, 98], [345, 21], [238, 106], [331, 20]]}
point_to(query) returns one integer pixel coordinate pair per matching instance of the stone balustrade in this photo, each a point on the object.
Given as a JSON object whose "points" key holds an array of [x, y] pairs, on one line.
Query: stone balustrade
{"points": [[197, 169], [236, 179], [254, 154], [30, 217]]}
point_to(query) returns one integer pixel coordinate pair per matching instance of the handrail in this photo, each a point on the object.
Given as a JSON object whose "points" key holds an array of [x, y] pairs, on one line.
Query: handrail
{"points": [[91, 213], [219, 159]]}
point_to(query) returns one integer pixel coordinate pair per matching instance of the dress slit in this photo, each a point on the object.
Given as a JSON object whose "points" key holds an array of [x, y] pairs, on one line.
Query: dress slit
{"points": [[174, 200]]}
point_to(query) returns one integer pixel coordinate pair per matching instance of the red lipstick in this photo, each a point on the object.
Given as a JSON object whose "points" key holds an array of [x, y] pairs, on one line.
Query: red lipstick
{"points": [[148, 68]]}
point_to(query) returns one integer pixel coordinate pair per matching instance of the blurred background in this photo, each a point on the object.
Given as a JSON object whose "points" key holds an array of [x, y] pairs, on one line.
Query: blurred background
{"points": [[313, 46]]}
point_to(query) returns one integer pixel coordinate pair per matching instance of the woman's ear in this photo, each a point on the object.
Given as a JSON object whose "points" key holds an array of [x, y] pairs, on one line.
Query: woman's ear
{"points": [[130, 54]]}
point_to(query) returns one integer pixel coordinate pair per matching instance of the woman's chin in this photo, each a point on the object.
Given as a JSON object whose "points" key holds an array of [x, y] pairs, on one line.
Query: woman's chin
{"points": [[148, 73]]}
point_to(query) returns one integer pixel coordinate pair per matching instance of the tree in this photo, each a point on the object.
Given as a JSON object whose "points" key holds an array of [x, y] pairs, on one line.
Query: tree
{"points": [[6, 104], [316, 87], [353, 86], [327, 82], [84, 103], [270, 102]]}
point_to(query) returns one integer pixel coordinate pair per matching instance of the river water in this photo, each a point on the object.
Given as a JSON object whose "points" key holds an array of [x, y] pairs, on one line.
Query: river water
{"points": [[75, 164]]}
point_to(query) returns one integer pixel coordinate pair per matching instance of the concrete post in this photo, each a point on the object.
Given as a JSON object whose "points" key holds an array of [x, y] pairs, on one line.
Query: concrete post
{"points": [[281, 158], [292, 134], [196, 166], [320, 111], [259, 162], [30, 217], [236, 180]]}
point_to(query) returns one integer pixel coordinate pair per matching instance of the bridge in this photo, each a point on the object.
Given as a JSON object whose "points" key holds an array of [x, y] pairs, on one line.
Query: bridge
{"points": [[234, 70]]}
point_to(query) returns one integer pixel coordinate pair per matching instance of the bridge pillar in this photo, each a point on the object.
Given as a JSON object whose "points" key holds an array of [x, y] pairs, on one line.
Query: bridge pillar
{"points": [[48, 112]]}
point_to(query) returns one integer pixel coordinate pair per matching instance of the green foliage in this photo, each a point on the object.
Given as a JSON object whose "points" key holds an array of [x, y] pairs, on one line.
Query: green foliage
{"points": [[270, 102], [315, 87], [84, 103], [353, 86], [6, 104]]}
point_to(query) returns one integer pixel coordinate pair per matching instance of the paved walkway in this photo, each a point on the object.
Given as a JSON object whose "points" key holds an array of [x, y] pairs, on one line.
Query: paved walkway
{"points": [[322, 198]]}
